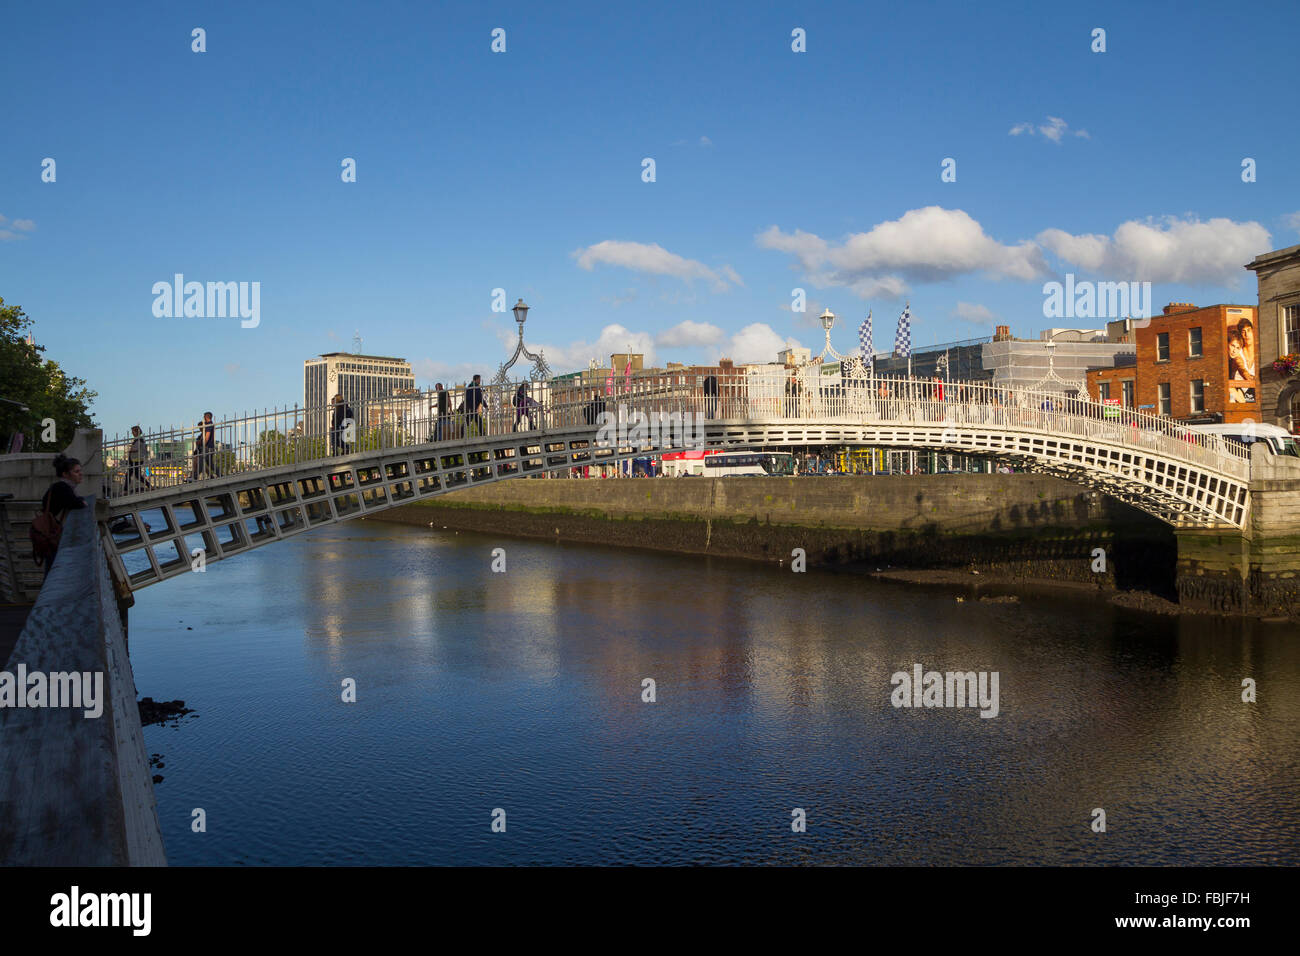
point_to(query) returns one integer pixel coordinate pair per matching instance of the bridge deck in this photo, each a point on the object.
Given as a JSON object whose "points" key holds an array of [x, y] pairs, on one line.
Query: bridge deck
{"points": [[283, 485]]}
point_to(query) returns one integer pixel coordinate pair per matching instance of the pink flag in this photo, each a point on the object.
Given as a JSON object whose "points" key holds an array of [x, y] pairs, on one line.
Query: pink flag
{"points": [[627, 375], [609, 383]]}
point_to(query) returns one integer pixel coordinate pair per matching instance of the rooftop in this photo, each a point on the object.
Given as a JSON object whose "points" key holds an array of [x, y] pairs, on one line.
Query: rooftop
{"points": [[354, 355]]}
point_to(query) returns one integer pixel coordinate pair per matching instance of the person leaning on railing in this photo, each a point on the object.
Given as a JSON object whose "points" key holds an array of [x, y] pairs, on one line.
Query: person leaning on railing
{"points": [[60, 498]]}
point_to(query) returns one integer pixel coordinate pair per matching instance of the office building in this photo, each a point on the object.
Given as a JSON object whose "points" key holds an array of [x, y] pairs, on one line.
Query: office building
{"points": [[360, 379]]}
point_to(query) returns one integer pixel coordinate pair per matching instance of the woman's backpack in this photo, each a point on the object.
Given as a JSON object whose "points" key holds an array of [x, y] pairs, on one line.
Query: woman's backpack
{"points": [[44, 534]]}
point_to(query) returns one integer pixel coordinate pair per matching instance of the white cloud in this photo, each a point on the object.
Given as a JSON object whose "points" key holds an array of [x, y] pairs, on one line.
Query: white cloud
{"points": [[882, 287], [689, 333], [1292, 221], [731, 275], [757, 342], [429, 372], [654, 259], [924, 245], [811, 309], [1170, 250], [705, 141], [612, 338], [1055, 129], [971, 312], [21, 225]]}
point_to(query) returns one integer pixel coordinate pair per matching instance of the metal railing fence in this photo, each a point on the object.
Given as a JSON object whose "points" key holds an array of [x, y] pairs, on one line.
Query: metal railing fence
{"points": [[272, 438]]}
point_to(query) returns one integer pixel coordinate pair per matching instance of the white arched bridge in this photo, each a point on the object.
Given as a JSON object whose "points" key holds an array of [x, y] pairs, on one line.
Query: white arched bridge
{"points": [[269, 476]]}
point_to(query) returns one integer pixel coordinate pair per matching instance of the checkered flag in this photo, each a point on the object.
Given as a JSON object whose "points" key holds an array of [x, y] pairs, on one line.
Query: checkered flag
{"points": [[864, 341], [903, 338]]}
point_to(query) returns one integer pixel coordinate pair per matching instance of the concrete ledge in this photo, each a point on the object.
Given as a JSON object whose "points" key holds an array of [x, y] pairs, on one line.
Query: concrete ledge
{"points": [[77, 789]]}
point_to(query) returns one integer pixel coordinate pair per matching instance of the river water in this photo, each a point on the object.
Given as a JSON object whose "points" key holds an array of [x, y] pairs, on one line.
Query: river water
{"points": [[522, 691]]}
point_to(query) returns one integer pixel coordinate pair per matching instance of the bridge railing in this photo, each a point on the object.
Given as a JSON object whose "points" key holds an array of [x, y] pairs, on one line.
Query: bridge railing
{"points": [[273, 438]]}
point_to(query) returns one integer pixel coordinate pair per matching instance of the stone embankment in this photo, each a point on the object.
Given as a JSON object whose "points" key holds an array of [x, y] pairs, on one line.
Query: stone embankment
{"points": [[1012, 527]]}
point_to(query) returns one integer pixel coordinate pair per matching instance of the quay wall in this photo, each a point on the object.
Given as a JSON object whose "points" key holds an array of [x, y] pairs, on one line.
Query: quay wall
{"points": [[1025, 526], [78, 788], [1258, 571]]}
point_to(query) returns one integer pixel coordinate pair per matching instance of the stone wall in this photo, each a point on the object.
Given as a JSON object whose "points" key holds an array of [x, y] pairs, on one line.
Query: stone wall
{"points": [[26, 477], [1258, 571], [78, 789], [1278, 275], [1023, 525]]}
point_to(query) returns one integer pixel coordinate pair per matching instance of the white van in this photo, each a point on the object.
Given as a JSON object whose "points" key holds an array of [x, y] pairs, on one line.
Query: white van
{"points": [[1276, 439]]}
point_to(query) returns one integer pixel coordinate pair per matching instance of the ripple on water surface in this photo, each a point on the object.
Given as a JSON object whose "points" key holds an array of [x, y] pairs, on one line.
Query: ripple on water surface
{"points": [[522, 691]]}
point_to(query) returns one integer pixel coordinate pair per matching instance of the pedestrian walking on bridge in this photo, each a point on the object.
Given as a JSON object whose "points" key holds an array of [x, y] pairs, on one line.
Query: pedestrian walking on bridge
{"points": [[205, 449], [341, 421], [442, 424], [473, 407], [136, 456], [525, 405]]}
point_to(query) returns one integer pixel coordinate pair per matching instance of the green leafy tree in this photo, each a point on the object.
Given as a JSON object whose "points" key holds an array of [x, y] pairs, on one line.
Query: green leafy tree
{"points": [[27, 378], [272, 449]]}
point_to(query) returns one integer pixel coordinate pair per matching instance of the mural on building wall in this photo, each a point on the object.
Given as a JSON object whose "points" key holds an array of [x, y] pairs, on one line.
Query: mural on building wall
{"points": [[1243, 357]]}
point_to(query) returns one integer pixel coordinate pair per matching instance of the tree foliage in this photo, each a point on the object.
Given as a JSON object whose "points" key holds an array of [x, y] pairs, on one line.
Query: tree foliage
{"points": [[26, 377]]}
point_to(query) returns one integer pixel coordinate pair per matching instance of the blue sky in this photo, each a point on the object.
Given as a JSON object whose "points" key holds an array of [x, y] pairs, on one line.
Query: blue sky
{"points": [[522, 170]]}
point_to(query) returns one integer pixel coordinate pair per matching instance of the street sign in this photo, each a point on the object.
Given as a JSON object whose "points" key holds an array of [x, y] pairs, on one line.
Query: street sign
{"points": [[1112, 408]]}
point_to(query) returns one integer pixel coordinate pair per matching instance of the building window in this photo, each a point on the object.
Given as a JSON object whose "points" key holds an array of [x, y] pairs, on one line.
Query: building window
{"points": [[1162, 347], [1291, 322], [1198, 395], [1128, 393], [1194, 343], [1164, 398], [1104, 390]]}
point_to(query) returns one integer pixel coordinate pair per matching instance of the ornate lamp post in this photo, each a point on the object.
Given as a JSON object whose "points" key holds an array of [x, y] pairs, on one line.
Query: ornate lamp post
{"points": [[828, 322], [1052, 381], [540, 371]]}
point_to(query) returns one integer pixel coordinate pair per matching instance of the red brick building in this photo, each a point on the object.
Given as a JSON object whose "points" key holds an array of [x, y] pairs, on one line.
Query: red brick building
{"points": [[1192, 364]]}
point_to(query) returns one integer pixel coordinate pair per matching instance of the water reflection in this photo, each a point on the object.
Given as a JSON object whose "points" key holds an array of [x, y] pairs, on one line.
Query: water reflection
{"points": [[523, 690]]}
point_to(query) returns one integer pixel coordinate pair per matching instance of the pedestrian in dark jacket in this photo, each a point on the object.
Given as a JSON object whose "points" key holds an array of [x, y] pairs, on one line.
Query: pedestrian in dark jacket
{"points": [[442, 423], [60, 498], [592, 411], [340, 419], [524, 405], [205, 448], [136, 456], [473, 406], [711, 396]]}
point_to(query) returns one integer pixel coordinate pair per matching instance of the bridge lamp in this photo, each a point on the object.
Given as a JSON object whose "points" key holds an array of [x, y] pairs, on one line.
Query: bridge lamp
{"points": [[521, 313], [828, 320]]}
